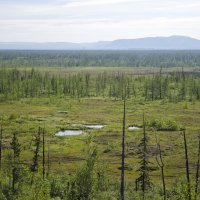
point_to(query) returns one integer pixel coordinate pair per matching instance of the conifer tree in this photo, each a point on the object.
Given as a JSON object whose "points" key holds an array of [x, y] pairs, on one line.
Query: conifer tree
{"points": [[34, 166], [15, 146], [143, 181]]}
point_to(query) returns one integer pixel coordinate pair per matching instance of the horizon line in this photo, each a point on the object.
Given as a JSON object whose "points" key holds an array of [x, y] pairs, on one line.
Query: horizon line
{"points": [[39, 42]]}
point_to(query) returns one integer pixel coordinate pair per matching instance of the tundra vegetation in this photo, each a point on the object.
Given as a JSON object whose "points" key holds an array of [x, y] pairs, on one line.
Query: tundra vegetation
{"points": [[155, 93]]}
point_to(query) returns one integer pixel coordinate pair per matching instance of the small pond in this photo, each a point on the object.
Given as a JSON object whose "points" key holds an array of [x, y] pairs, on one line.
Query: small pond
{"points": [[131, 128], [94, 126], [69, 132]]}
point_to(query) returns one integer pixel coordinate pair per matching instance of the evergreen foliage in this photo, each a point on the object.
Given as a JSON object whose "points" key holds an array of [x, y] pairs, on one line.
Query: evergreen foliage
{"points": [[155, 58], [18, 83], [143, 182]]}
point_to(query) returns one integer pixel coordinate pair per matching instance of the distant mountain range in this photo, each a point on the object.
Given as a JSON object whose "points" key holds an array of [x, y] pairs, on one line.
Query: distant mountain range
{"points": [[148, 43]]}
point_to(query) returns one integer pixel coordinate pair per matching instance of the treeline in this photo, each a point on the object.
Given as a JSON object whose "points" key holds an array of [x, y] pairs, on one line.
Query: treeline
{"points": [[175, 87], [100, 58]]}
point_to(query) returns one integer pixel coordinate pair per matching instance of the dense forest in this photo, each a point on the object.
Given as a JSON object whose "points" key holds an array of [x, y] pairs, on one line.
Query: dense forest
{"points": [[100, 58]]}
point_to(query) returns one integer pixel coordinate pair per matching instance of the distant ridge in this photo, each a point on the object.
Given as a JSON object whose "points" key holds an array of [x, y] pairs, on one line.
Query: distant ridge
{"points": [[148, 43]]}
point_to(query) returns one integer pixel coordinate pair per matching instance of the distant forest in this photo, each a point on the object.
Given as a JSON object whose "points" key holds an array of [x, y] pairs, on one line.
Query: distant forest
{"points": [[36, 58]]}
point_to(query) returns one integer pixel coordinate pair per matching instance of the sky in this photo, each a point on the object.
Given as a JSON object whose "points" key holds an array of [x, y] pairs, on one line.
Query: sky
{"points": [[96, 20]]}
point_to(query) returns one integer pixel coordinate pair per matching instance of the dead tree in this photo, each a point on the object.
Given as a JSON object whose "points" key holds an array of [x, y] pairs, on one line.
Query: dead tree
{"points": [[1, 143], [197, 172], [187, 166], [48, 162], [43, 154], [160, 163], [160, 83], [123, 151]]}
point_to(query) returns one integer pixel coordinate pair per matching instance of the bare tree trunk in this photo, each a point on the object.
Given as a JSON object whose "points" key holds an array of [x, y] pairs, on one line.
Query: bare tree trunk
{"points": [[43, 154], [144, 152], [1, 138], [197, 172], [163, 181], [123, 151], [161, 165], [160, 83], [136, 185], [48, 171], [187, 166]]}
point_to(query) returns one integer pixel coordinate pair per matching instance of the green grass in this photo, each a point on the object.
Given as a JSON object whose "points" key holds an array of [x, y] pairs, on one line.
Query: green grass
{"points": [[67, 153]]}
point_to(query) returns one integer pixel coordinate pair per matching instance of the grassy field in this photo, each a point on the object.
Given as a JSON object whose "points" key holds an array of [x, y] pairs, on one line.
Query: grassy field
{"points": [[26, 115], [56, 111]]}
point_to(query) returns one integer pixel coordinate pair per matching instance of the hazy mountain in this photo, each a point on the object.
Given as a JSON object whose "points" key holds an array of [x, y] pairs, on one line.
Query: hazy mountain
{"points": [[172, 42]]}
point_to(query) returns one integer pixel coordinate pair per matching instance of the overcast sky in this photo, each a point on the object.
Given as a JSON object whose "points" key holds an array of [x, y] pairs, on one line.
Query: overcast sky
{"points": [[96, 20]]}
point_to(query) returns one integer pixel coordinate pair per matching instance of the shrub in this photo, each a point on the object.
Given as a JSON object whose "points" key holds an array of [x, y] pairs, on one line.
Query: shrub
{"points": [[164, 125]]}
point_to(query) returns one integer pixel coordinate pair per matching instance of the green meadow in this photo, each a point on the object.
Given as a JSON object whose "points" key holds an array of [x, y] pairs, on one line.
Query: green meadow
{"points": [[88, 165]]}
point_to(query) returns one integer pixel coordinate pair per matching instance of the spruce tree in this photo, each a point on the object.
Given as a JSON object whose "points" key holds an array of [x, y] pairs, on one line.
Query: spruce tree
{"points": [[15, 146], [34, 166], [143, 181]]}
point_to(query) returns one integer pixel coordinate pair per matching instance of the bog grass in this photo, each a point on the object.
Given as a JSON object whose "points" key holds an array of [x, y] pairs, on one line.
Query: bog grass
{"points": [[67, 153]]}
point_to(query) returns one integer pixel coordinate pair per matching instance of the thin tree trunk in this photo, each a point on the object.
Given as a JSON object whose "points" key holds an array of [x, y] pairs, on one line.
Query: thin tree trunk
{"points": [[197, 172], [123, 151], [144, 151], [136, 185], [163, 181], [1, 138], [161, 83], [43, 154], [161, 165], [48, 161], [187, 166], [162, 172]]}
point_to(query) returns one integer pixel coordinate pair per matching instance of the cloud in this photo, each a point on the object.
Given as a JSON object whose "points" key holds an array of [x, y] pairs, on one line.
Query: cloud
{"points": [[91, 30], [99, 2], [75, 20]]}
